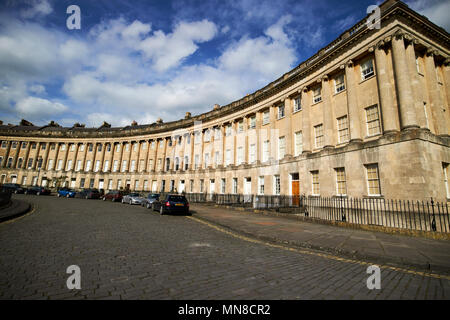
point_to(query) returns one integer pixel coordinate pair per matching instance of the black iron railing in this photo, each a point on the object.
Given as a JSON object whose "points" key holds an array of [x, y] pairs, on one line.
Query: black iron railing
{"points": [[403, 214]]}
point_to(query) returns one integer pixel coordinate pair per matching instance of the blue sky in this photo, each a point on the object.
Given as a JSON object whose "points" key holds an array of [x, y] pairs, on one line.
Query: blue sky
{"points": [[141, 60]]}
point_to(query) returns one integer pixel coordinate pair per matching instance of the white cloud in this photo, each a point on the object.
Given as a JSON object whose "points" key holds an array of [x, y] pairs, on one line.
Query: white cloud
{"points": [[38, 8], [110, 75], [167, 51], [74, 51], [136, 29], [37, 89], [33, 107], [435, 10]]}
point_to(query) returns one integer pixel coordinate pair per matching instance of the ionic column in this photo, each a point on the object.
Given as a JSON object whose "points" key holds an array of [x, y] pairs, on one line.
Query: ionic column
{"points": [[155, 164], [16, 155], [288, 137], [86, 147], [192, 164], [121, 144], [388, 109], [56, 156], [27, 153], [416, 87], [223, 130], [111, 156], [102, 158], [75, 157], [45, 159], [306, 121], [436, 102], [446, 67], [146, 157], [163, 160], [327, 113], [129, 156], [404, 93], [5, 159], [258, 116], [353, 108], [64, 165], [38, 149]]}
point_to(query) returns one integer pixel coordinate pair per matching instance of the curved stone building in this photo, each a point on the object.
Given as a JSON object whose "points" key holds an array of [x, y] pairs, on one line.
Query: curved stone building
{"points": [[367, 116]]}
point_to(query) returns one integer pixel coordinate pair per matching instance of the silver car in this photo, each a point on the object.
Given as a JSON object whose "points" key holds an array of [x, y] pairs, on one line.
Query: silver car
{"points": [[132, 198], [147, 202]]}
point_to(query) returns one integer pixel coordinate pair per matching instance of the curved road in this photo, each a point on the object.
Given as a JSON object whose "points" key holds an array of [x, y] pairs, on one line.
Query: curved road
{"points": [[128, 252]]}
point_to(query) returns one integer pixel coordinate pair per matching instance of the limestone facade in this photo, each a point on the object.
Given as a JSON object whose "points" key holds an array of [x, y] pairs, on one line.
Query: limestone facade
{"points": [[367, 116]]}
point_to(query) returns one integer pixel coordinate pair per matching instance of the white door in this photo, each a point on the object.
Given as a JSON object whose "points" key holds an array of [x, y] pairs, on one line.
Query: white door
{"points": [[13, 179], [44, 182], [248, 186], [212, 188], [154, 185], [247, 189], [72, 183], [100, 184], [181, 186]]}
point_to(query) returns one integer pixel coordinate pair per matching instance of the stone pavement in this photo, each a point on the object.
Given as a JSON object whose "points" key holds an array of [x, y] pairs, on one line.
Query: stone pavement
{"points": [[15, 209], [378, 247]]}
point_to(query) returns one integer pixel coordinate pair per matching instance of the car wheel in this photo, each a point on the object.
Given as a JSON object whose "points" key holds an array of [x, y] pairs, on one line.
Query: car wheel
{"points": [[38, 193], [104, 199], [58, 195], [148, 205], [131, 202], [113, 199], [68, 196], [15, 191], [86, 197]]}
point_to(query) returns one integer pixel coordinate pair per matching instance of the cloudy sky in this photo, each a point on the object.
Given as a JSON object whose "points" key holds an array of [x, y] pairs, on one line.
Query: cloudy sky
{"points": [[140, 60]]}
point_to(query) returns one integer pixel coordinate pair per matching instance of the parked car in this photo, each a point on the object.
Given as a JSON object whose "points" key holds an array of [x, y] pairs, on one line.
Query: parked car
{"points": [[172, 203], [13, 187], [113, 195], [147, 202], [88, 194], [38, 191], [66, 192], [132, 198]]}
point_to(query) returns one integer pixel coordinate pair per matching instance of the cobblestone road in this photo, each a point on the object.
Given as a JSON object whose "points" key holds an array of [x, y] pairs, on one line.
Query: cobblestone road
{"points": [[128, 252]]}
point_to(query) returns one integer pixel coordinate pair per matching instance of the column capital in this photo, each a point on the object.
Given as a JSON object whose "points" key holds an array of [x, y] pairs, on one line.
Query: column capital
{"points": [[447, 62], [380, 44], [387, 40], [325, 78], [399, 35], [431, 52], [371, 49], [349, 63]]}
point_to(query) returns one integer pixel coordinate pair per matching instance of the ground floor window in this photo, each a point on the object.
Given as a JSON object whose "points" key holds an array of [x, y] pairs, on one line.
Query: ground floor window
{"points": [[315, 182], [341, 185], [373, 180], [445, 167], [277, 185]]}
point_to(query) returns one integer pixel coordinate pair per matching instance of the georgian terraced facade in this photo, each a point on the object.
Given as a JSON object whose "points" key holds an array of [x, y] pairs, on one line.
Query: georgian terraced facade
{"points": [[366, 116]]}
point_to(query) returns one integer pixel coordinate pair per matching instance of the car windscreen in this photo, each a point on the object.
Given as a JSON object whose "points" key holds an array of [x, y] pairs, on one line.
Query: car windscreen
{"points": [[176, 198], [134, 194]]}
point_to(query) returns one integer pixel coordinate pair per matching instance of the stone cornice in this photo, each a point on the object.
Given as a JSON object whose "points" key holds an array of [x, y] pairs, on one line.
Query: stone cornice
{"points": [[390, 9]]}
